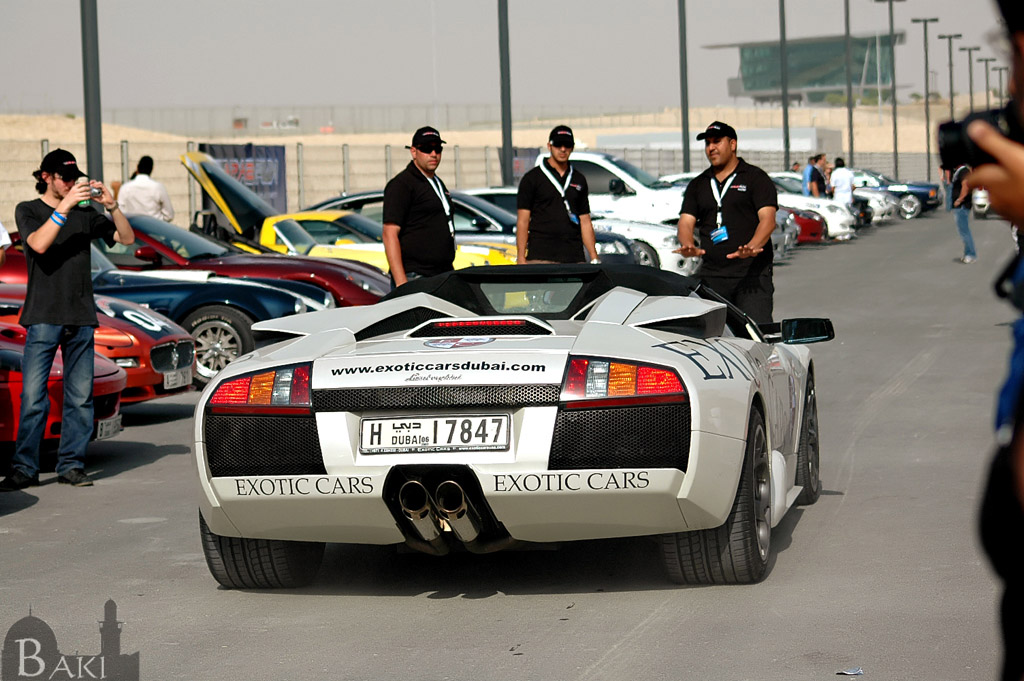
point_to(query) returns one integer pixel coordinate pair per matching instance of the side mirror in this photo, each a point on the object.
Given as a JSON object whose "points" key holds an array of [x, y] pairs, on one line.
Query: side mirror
{"points": [[480, 224], [147, 253], [617, 187], [807, 330]]}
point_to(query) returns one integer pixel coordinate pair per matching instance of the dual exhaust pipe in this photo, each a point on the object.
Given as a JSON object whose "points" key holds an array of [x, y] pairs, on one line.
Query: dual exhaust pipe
{"points": [[448, 505]]}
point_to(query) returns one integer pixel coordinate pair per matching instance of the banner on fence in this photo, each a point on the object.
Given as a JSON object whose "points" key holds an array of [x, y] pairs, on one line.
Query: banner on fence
{"points": [[259, 167]]}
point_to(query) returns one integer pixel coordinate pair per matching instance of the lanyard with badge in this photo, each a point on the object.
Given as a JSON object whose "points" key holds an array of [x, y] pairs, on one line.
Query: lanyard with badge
{"points": [[435, 184], [561, 190], [721, 232]]}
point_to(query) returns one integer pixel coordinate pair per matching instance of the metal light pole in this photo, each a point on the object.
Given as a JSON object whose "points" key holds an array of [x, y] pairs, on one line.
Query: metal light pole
{"points": [[949, 38], [506, 95], [970, 72], [91, 83], [927, 96], [849, 83], [784, 68], [1001, 70], [684, 92], [988, 88], [892, 76]]}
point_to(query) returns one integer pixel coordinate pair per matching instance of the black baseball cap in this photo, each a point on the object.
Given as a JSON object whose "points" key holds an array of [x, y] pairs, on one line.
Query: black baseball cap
{"points": [[717, 129], [561, 136], [426, 135], [63, 163]]}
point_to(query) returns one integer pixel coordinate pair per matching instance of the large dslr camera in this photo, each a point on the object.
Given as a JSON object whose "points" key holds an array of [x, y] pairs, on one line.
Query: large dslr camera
{"points": [[956, 148]]}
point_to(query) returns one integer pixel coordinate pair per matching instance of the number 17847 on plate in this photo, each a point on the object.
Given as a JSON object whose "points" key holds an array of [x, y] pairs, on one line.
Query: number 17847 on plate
{"points": [[434, 434]]}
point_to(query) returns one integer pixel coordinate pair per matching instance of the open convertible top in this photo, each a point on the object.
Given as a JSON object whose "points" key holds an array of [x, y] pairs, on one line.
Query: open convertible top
{"points": [[582, 284]]}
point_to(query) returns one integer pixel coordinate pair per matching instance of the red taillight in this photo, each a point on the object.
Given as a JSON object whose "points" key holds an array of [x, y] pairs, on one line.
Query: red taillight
{"points": [[478, 322], [609, 383], [278, 391]]}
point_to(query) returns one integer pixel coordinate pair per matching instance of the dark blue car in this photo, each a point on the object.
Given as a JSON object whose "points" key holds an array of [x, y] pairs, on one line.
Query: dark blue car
{"points": [[914, 197], [217, 311]]}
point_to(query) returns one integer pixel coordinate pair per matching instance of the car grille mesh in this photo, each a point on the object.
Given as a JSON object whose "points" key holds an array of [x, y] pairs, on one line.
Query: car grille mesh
{"points": [[435, 397], [171, 356], [655, 436], [262, 445], [399, 322]]}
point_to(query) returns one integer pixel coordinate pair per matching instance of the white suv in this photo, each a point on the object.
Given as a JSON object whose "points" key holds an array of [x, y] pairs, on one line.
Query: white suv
{"points": [[618, 189]]}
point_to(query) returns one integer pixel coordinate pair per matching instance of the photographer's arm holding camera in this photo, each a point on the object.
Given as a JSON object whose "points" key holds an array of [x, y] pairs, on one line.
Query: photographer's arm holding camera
{"points": [[41, 239]]}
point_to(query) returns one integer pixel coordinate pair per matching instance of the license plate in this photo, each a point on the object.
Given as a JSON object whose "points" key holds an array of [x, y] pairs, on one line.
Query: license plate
{"points": [[177, 378], [419, 434], [108, 427]]}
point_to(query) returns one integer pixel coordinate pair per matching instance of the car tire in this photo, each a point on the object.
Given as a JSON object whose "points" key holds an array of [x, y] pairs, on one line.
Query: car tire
{"points": [[240, 563], [646, 255], [222, 335], [910, 206], [736, 552], [808, 470]]}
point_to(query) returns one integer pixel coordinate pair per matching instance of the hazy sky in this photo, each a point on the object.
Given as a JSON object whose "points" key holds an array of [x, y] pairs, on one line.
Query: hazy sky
{"points": [[609, 53]]}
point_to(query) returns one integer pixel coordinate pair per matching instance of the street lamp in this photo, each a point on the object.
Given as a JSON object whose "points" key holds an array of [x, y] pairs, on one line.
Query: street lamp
{"points": [[892, 76], [949, 38], [927, 96], [784, 69], [970, 72], [849, 82], [1000, 70], [988, 88], [684, 91]]}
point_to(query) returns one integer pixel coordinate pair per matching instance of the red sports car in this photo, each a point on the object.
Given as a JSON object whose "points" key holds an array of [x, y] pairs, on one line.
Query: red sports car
{"points": [[108, 383], [158, 356], [812, 226], [163, 245]]}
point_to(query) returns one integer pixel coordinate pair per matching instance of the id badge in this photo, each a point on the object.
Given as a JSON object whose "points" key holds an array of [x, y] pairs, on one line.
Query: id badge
{"points": [[719, 234], [575, 219]]}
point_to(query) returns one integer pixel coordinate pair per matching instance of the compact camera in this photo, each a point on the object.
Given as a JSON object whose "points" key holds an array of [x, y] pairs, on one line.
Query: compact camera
{"points": [[956, 148]]}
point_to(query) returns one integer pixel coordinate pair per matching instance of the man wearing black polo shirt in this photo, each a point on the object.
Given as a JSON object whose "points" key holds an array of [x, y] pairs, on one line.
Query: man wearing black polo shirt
{"points": [[553, 208], [419, 234], [733, 205]]}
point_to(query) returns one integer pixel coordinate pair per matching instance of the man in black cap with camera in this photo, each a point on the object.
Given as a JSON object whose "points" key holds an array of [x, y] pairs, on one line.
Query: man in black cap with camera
{"points": [[57, 230], [553, 208], [732, 206], [419, 232]]}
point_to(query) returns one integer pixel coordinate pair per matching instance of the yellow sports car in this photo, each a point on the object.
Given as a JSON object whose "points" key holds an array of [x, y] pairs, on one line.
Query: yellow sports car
{"points": [[257, 227]]}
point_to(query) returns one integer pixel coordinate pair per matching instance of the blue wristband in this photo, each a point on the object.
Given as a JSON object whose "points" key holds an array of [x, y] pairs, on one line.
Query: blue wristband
{"points": [[58, 218]]}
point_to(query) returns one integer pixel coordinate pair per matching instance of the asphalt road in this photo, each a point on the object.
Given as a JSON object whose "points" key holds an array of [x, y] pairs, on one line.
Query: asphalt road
{"points": [[884, 572]]}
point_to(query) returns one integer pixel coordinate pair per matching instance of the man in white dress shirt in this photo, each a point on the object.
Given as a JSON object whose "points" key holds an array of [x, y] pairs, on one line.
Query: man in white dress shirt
{"points": [[142, 195]]}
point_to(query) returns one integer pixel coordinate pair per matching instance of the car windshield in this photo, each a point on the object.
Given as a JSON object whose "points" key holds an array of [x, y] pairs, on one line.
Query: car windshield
{"points": [[341, 230], [248, 208], [642, 176], [292, 234], [548, 297], [884, 179], [363, 225], [478, 205], [788, 185], [100, 263], [183, 242]]}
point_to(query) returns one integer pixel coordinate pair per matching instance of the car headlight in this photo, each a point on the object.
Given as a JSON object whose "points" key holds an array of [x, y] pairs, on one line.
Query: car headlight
{"points": [[612, 248], [671, 241], [127, 362]]}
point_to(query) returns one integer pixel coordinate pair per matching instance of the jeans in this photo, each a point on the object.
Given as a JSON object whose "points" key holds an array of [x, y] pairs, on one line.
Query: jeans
{"points": [[962, 214], [41, 343]]}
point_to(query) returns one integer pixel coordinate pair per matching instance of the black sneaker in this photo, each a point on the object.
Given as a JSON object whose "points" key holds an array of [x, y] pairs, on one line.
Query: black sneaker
{"points": [[76, 477], [18, 480]]}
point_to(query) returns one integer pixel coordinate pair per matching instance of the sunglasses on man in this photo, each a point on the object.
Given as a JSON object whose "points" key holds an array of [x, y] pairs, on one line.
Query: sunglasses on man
{"points": [[429, 148]]}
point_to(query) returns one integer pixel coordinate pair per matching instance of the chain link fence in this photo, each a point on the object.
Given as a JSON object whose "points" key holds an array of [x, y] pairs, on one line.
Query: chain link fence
{"points": [[319, 172]]}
